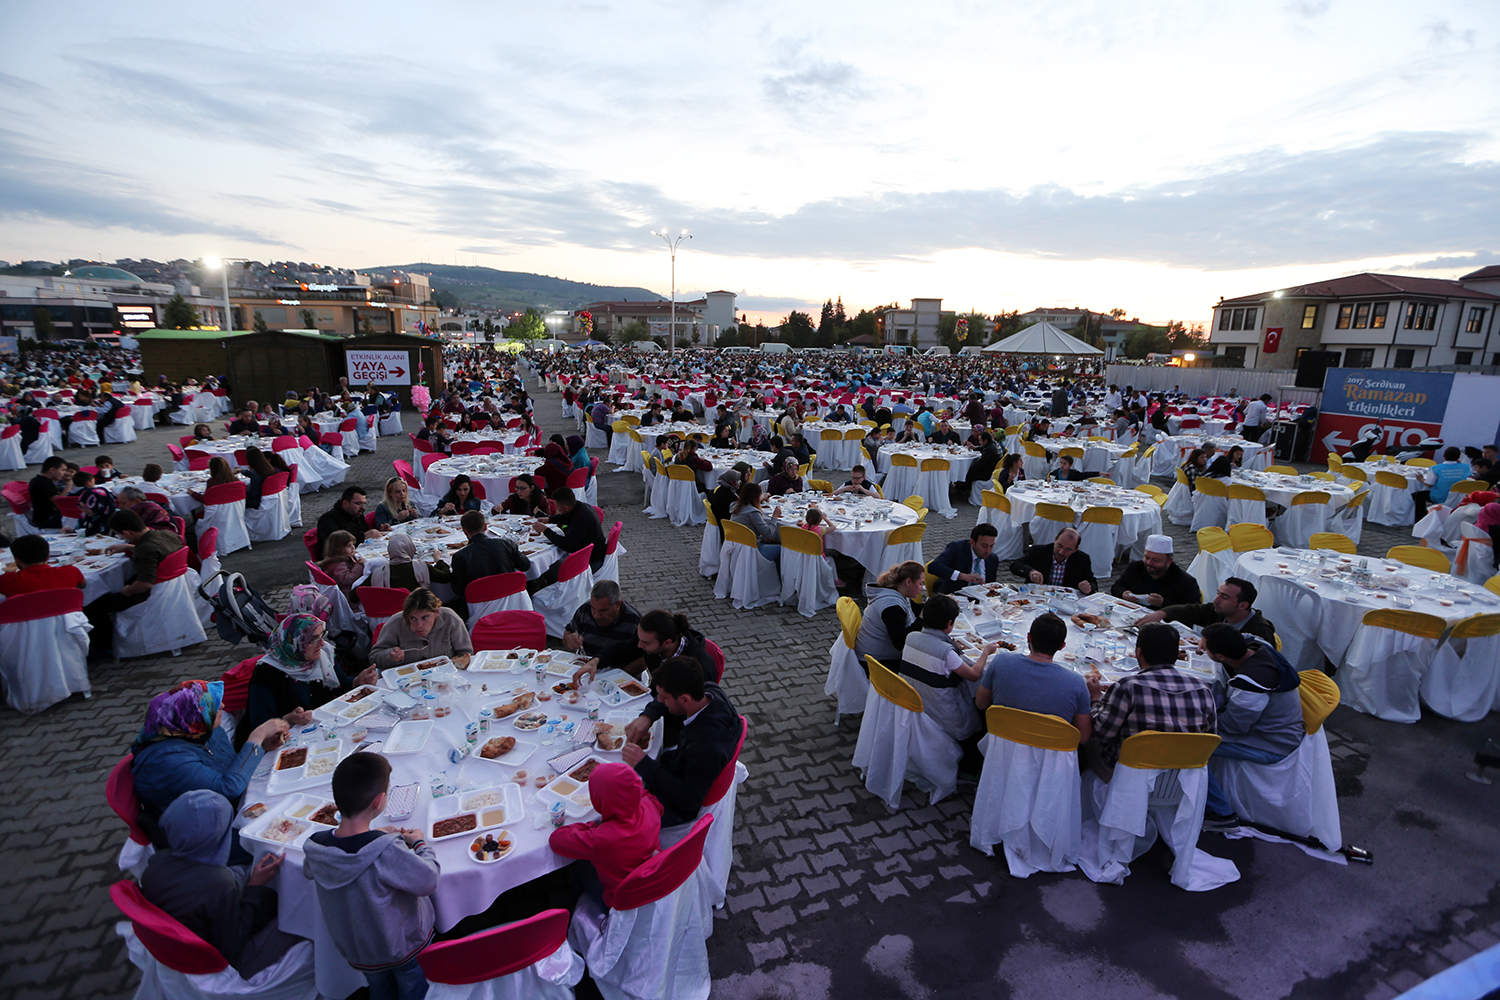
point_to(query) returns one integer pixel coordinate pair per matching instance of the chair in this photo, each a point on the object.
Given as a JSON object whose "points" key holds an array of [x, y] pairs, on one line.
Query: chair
{"points": [[341, 618], [1420, 557], [143, 414], [1247, 504], [11, 458], [1493, 584], [1160, 788], [1215, 560], [70, 509], [310, 542], [1350, 519], [746, 577], [83, 431], [904, 544], [1464, 488], [1035, 462], [806, 571], [846, 681], [652, 943], [1211, 504], [44, 648], [717, 655], [719, 802], [1100, 531], [897, 741], [1463, 682], [1391, 502], [1284, 470], [1306, 516], [1010, 538], [558, 602], [122, 430], [712, 545], [1028, 796], [1050, 519], [1298, 614], [610, 568], [510, 630], [1249, 537], [1475, 560], [379, 603], [270, 522], [348, 437], [224, 509], [904, 475], [523, 960], [1349, 472], [1180, 505], [500, 592], [166, 619], [1384, 665], [659, 483], [175, 962], [119, 792], [682, 496], [1331, 540], [933, 482], [1296, 794]]}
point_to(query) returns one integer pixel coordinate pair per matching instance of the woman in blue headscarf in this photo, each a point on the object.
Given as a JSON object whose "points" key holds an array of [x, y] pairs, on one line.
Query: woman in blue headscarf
{"points": [[297, 674], [579, 455], [191, 880]]}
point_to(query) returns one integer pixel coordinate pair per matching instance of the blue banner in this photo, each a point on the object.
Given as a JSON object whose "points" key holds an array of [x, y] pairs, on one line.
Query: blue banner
{"points": [[1387, 394]]}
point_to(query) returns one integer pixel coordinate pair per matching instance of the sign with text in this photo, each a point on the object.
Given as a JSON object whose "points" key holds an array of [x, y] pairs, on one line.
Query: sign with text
{"points": [[1402, 407], [378, 367]]}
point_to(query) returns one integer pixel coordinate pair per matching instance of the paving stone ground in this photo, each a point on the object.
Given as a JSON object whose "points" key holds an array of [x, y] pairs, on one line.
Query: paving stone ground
{"points": [[832, 895]]}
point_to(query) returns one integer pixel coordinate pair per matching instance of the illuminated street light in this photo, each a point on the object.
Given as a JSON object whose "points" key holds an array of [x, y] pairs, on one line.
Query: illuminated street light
{"points": [[672, 242], [221, 264]]}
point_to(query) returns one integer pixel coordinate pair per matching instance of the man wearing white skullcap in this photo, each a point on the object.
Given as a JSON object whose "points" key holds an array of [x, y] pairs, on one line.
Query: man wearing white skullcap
{"points": [[1156, 580]]}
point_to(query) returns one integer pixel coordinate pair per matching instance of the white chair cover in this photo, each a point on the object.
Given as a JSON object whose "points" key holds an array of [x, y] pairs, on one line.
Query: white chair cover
{"points": [[896, 744], [1124, 816], [551, 978], [270, 522], [610, 569], [350, 439], [746, 577], [1028, 801], [653, 951], [143, 415], [390, 423], [1247, 512], [1297, 614], [293, 497], [1045, 531], [1179, 507], [932, 486], [1429, 530], [1391, 506], [519, 601], [11, 458], [594, 437], [342, 617], [368, 439], [1463, 682], [1297, 524], [846, 679], [41, 448], [684, 505], [558, 602], [1478, 554], [122, 431], [1010, 538], [166, 620], [209, 570], [1348, 522], [718, 847], [22, 524], [316, 465], [1210, 569], [1295, 795], [658, 505], [1382, 673], [708, 551], [229, 518], [810, 579], [1035, 466], [901, 482], [1099, 540], [291, 978], [1208, 511], [84, 433], [976, 494], [45, 661]]}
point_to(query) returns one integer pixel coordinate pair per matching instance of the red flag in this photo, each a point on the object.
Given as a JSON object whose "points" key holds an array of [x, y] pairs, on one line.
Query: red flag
{"points": [[1273, 340]]}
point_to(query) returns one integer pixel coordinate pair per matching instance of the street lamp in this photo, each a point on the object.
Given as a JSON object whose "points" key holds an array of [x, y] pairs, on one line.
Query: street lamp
{"points": [[672, 242], [222, 265]]}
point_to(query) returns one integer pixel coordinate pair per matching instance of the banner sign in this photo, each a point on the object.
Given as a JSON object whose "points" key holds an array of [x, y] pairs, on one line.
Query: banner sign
{"points": [[1273, 340], [1403, 407], [378, 367]]}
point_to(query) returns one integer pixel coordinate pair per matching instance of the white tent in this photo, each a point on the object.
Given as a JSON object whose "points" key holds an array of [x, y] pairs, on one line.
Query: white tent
{"points": [[1042, 338]]}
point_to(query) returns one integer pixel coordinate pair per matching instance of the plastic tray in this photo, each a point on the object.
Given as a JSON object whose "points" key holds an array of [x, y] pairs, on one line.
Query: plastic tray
{"points": [[496, 661], [511, 810], [295, 779], [518, 754], [393, 675], [335, 710], [297, 808], [564, 788], [407, 737]]}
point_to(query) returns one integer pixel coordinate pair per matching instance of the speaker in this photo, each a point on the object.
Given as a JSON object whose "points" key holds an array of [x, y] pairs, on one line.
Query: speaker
{"points": [[1312, 366]]}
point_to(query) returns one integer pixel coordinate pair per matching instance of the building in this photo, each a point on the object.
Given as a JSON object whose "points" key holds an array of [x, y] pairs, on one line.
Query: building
{"points": [[1113, 333], [1369, 320], [612, 317], [1062, 318], [915, 327], [394, 306], [89, 301]]}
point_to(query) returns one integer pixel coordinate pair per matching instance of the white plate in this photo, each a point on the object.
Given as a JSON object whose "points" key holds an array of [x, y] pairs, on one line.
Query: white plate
{"points": [[393, 675], [565, 789], [492, 661], [297, 808], [341, 709], [510, 810], [515, 721], [407, 737], [492, 861], [294, 779], [517, 755]]}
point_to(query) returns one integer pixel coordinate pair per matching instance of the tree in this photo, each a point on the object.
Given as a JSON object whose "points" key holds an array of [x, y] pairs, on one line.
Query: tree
{"points": [[862, 325], [489, 329], [635, 330], [1117, 313], [728, 337], [179, 315], [797, 329], [528, 327], [947, 331], [1007, 324], [1144, 340], [838, 312], [41, 320], [260, 323], [1184, 339], [309, 319]]}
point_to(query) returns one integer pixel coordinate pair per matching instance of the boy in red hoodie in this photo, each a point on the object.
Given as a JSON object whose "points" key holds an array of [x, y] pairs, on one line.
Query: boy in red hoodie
{"points": [[626, 837]]}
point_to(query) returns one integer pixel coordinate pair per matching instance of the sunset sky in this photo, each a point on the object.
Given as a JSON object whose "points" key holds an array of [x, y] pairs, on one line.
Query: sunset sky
{"points": [[1151, 157]]}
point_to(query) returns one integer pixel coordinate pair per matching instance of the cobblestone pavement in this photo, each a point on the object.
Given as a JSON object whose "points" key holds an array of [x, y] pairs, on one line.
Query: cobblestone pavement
{"points": [[832, 896]]}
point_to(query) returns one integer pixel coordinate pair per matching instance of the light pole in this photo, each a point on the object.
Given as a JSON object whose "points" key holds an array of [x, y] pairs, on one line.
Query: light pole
{"points": [[672, 242], [222, 263]]}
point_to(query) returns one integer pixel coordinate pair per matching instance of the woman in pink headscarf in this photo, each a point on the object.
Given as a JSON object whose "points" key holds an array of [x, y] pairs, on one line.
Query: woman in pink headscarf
{"points": [[1488, 521]]}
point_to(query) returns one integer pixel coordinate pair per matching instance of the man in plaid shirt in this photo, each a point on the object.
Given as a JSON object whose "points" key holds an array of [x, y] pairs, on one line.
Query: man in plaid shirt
{"points": [[1160, 698]]}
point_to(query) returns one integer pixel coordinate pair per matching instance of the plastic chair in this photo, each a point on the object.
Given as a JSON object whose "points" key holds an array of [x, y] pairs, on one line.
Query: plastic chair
{"points": [[224, 509], [904, 544], [897, 741], [310, 542], [1100, 532], [1307, 515], [806, 571], [1383, 668], [747, 578], [1211, 504], [1463, 681], [44, 648], [1249, 537], [1028, 796], [510, 630], [1010, 538], [1331, 540], [717, 655], [1420, 557], [531, 956], [1475, 559], [237, 685], [558, 602], [932, 484], [166, 620], [682, 496], [379, 603], [846, 681], [11, 458], [1391, 502], [270, 522], [1215, 560], [122, 430], [1050, 520], [1298, 614], [83, 431], [712, 545], [1180, 506], [1247, 504], [500, 592], [610, 568]]}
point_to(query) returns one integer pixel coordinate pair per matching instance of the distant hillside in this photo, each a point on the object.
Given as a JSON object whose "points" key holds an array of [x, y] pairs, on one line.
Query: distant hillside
{"points": [[513, 291]]}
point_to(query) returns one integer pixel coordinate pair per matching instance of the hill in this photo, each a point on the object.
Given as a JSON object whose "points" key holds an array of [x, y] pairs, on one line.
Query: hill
{"points": [[513, 291]]}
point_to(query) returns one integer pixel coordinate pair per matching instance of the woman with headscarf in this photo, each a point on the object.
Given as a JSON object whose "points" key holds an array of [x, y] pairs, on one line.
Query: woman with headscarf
{"points": [[181, 748], [193, 883], [1488, 521], [578, 453], [625, 837], [422, 629], [556, 469], [403, 569], [296, 675]]}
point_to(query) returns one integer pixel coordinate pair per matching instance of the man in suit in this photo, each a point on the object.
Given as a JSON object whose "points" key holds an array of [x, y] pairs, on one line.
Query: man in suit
{"points": [[1060, 564], [962, 563], [580, 528], [1065, 471], [485, 555]]}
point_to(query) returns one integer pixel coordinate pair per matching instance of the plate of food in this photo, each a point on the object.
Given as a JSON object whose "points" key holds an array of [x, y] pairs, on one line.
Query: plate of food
{"points": [[491, 847], [305, 766], [292, 822], [503, 750], [619, 688], [516, 703], [474, 811], [572, 788], [531, 721], [499, 661]]}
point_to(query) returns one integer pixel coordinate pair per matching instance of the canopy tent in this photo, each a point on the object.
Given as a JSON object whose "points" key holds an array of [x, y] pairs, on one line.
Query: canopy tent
{"points": [[1042, 338]]}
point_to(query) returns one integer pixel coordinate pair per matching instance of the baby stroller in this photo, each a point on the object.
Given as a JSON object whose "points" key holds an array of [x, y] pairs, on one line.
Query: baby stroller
{"points": [[239, 612]]}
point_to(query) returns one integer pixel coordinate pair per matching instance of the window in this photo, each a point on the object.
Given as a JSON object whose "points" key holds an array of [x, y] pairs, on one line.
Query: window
{"points": [[1404, 357], [1345, 312], [1476, 320], [1237, 319], [1250, 319], [1359, 357], [1463, 358], [1236, 353], [1224, 318], [1377, 315], [1309, 317], [1421, 315], [1362, 316]]}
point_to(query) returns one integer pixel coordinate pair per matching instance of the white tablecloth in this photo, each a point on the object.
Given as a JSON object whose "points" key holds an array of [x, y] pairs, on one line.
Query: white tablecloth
{"points": [[904, 481], [860, 523], [493, 472], [1171, 452], [440, 537], [102, 574], [1140, 515]]}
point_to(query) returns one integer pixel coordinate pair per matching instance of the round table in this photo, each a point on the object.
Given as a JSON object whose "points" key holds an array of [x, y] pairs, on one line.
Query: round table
{"points": [[1099, 457], [1172, 451], [492, 472], [1140, 514], [860, 523], [102, 574], [440, 537], [1415, 475], [902, 481]]}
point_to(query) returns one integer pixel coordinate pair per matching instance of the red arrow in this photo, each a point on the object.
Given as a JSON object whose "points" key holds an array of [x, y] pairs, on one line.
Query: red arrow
{"points": [[398, 372]]}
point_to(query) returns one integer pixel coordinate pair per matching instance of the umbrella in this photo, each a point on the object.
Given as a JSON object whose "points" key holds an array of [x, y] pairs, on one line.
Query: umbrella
{"points": [[1042, 338]]}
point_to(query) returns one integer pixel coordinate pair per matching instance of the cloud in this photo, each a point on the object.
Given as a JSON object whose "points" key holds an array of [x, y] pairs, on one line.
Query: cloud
{"points": [[1471, 261]]}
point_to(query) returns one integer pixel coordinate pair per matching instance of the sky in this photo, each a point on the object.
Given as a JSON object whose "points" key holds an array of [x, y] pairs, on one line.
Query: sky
{"points": [[1153, 157]]}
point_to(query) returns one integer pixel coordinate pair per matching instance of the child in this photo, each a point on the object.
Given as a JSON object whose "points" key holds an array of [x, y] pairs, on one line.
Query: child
{"points": [[625, 837], [152, 473], [819, 525], [374, 885], [107, 470], [340, 562]]}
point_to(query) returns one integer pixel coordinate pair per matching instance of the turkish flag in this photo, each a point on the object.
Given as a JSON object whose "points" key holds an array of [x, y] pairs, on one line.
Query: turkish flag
{"points": [[1273, 340]]}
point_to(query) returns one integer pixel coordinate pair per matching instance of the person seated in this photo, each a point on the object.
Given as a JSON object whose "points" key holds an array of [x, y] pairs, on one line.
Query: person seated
{"points": [[1159, 698], [43, 491], [1034, 682], [962, 563], [402, 569], [945, 434], [181, 747], [1065, 473], [581, 528], [244, 423], [695, 750], [32, 573], [342, 562], [933, 665], [192, 882], [626, 836], [147, 547], [689, 457], [1155, 580], [1196, 465], [759, 439], [297, 674], [105, 470], [749, 510], [890, 616], [1259, 710], [395, 506], [556, 466], [435, 433], [1452, 469], [788, 480], [659, 636], [97, 504], [1011, 471], [724, 436], [459, 498], [982, 469], [221, 473], [1060, 564], [911, 433], [348, 515], [526, 498], [484, 555], [1227, 464], [202, 432], [858, 484], [1232, 604], [602, 622], [421, 630], [152, 515], [722, 497]]}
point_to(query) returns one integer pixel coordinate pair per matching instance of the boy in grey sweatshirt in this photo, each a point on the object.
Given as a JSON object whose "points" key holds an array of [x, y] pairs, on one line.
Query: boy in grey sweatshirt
{"points": [[374, 885]]}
